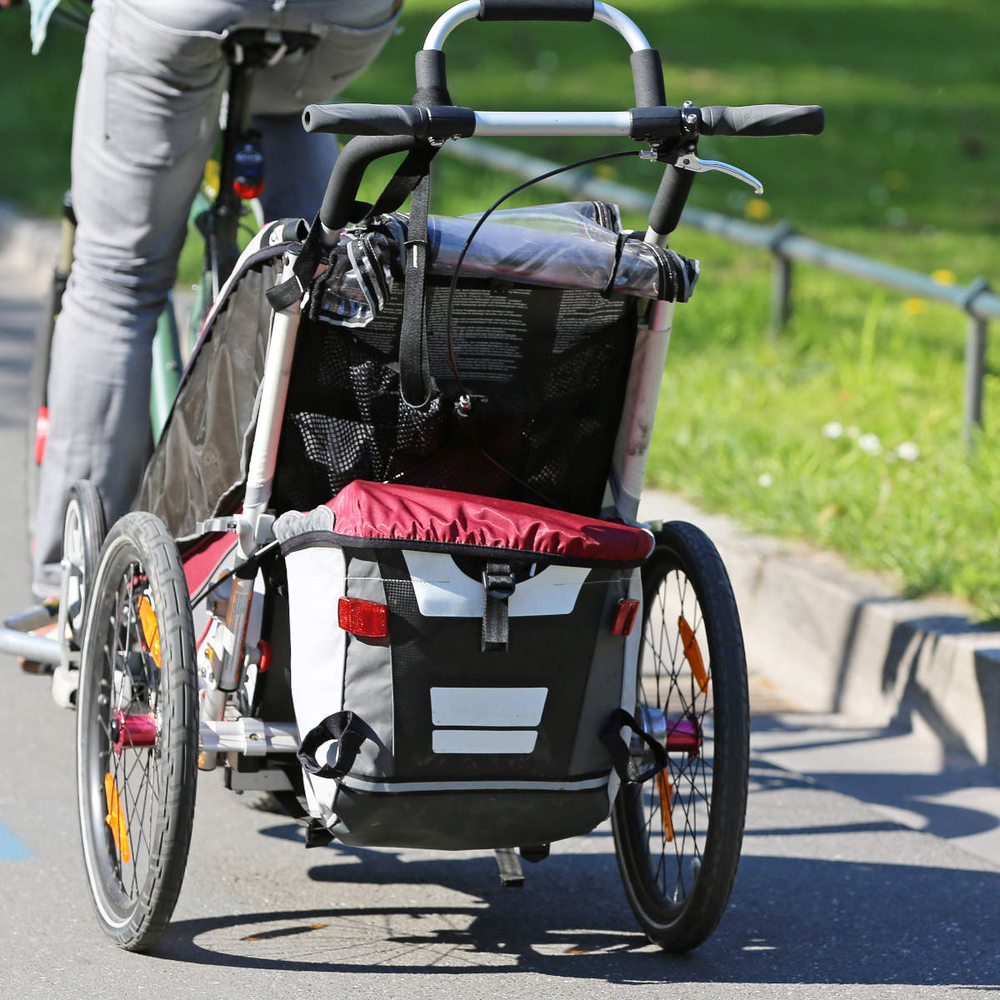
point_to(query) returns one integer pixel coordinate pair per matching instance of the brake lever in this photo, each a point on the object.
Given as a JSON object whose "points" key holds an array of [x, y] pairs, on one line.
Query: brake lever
{"points": [[688, 161]]}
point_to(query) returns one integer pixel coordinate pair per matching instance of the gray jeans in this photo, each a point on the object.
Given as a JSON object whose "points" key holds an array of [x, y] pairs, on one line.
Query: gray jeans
{"points": [[146, 119]]}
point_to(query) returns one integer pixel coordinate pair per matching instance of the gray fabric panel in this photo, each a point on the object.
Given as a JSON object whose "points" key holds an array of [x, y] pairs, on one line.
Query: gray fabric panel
{"points": [[295, 523], [604, 684], [368, 676]]}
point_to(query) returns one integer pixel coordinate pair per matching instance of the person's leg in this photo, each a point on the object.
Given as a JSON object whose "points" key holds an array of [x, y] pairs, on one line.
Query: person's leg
{"points": [[298, 164], [146, 113]]}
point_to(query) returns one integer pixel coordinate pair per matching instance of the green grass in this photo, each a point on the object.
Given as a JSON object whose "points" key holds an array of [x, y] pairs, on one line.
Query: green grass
{"points": [[907, 171]]}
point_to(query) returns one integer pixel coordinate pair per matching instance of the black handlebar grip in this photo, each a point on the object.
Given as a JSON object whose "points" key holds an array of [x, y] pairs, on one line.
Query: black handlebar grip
{"points": [[536, 10], [671, 197], [365, 119], [348, 171], [432, 80], [647, 78], [436, 122], [762, 120]]}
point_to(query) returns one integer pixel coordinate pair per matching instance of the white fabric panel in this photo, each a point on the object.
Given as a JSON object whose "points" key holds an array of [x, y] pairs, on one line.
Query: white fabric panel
{"points": [[444, 591], [459, 706], [483, 740], [316, 582]]}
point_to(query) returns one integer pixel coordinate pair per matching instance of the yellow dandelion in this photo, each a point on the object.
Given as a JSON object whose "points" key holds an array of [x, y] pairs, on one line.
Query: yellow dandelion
{"points": [[944, 277], [914, 307], [211, 178], [757, 208], [605, 171], [896, 180]]}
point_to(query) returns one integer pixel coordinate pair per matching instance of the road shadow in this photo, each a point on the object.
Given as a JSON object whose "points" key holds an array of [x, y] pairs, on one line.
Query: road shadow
{"points": [[897, 789], [790, 920]]}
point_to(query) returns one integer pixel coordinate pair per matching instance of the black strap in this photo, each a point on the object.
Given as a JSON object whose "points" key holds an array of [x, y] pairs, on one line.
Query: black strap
{"points": [[403, 182], [498, 582], [414, 364], [346, 729], [292, 289], [621, 757]]}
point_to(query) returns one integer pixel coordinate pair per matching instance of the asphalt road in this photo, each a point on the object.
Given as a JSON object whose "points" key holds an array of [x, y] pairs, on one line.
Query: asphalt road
{"points": [[871, 868]]}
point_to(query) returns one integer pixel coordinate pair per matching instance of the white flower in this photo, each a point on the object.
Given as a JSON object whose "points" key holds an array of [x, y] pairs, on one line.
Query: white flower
{"points": [[870, 444], [834, 429], [908, 451], [765, 479]]}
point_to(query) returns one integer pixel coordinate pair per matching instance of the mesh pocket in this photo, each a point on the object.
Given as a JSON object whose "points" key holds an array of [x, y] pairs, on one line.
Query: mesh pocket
{"points": [[547, 371]]}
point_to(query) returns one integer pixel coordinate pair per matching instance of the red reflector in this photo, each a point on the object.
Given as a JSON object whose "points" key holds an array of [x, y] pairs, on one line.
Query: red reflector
{"points": [[364, 618], [625, 617], [41, 433], [248, 190]]}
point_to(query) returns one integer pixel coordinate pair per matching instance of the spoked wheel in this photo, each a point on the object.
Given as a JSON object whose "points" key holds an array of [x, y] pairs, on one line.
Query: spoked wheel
{"points": [[84, 529], [137, 732], [678, 835]]}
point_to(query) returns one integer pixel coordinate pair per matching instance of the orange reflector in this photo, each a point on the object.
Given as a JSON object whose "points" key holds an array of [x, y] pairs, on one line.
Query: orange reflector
{"points": [[666, 791], [625, 617], [692, 653], [150, 629], [115, 819], [366, 619]]}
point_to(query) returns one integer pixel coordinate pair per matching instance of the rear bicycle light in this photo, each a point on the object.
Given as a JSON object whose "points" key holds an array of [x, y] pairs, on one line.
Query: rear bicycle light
{"points": [[248, 168], [366, 619], [41, 433]]}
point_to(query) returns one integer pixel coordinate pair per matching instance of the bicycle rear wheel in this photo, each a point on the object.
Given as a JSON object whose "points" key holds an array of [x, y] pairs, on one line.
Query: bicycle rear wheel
{"points": [[678, 836], [137, 732]]}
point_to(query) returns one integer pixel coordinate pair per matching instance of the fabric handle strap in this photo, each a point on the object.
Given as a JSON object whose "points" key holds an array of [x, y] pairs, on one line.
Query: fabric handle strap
{"points": [[414, 364], [621, 757], [345, 729]]}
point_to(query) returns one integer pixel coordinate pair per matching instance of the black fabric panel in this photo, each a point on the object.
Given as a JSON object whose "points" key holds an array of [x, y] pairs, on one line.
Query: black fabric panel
{"points": [[447, 652], [465, 821], [196, 471]]}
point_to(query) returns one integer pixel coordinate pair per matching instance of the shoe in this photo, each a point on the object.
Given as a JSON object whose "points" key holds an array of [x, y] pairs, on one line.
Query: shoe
{"points": [[51, 606]]}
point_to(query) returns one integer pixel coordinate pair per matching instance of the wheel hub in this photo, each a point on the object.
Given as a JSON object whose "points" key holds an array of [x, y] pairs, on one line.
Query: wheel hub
{"points": [[133, 731]]}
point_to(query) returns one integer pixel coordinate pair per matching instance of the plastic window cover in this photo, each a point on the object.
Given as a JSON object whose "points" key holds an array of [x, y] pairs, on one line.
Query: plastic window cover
{"points": [[572, 245]]}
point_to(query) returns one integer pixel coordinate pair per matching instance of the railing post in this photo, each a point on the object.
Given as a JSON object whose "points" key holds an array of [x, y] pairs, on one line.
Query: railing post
{"points": [[781, 279], [975, 363]]}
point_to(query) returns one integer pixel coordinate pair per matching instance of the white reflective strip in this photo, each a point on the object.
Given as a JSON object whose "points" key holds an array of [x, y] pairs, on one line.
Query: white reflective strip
{"points": [[552, 592], [444, 591], [483, 740], [441, 588], [459, 706], [361, 785]]}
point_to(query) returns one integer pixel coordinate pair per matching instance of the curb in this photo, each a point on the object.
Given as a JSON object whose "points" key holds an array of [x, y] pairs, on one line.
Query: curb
{"points": [[835, 639]]}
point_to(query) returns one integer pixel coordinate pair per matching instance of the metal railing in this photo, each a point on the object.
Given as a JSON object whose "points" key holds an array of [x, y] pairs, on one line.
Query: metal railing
{"points": [[785, 245]]}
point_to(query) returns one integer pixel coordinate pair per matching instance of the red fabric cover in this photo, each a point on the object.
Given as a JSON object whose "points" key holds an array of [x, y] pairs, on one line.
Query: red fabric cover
{"points": [[204, 557], [414, 513]]}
